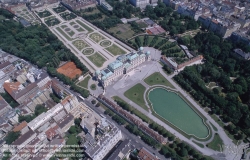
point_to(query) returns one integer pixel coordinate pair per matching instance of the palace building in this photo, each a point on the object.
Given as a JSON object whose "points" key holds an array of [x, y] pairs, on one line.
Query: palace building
{"points": [[122, 65]]}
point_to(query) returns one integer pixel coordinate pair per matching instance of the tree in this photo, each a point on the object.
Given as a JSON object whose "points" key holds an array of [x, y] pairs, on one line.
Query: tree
{"points": [[6, 155], [171, 138], [183, 152], [54, 98], [93, 101], [164, 150], [72, 130], [26, 118], [119, 120], [77, 121], [98, 104], [40, 109], [12, 136]]}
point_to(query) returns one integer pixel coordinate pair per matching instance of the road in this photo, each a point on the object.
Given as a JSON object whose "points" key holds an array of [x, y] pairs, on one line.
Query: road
{"points": [[135, 141]]}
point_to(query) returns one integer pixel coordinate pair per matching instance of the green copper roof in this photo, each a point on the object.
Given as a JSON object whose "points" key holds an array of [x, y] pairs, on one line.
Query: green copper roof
{"points": [[115, 64]]}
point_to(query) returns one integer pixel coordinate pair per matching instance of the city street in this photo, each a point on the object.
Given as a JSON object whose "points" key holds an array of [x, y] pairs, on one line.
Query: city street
{"points": [[135, 141]]}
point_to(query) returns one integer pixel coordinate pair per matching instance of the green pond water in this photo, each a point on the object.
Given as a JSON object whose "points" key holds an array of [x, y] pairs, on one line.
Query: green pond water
{"points": [[174, 109]]}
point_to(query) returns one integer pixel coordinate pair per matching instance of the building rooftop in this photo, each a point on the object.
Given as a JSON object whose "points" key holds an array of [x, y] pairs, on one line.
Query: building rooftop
{"points": [[149, 22], [4, 64], [120, 151], [20, 126], [23, 138], [146, 155], [132, 55], [107, 6], [242, 54], [122, 58], [3, 103], [116, 64], [65, 120], [16, 90], [106, 73]]}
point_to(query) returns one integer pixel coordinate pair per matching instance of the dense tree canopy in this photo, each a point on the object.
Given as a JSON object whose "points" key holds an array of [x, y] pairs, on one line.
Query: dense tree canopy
{"points": [[11, 137], [231, 74], [39, 46]]}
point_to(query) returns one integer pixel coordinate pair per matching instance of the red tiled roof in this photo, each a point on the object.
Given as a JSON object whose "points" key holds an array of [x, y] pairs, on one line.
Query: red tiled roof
{"points": [[20, 126], [145, 155]]}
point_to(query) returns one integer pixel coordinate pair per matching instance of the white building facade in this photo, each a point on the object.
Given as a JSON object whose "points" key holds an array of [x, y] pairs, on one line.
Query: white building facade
{"points": [[108, 145], [122, 65]]}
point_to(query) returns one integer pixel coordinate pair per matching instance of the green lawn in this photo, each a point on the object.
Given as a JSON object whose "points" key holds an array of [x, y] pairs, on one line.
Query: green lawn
{"points": [[71, 33], [93, 86], [96, 37], [63, 26], [79, 44], [97, 59], [135, 94], [122, 31], [72, 23], [216, 143], [43, 14], [63, 33], [142, 24], [115, 50], [157, 78], [80, 29], [84, 26], [84, 83]]}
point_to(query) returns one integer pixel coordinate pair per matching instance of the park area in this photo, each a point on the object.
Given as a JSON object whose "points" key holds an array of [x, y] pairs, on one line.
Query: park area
{"points": [[115, 50], [23, 11], [79, 44], [59, 9], [68, 16], [88, 51], [70, 70], [157, 79], [122, 31], [44, 14], [170, 106], [169, 48], [84, 82], [135, 94], [51, 21], [97, 59], [105, 43], [84, 26], [96, 37], [216, 143]]}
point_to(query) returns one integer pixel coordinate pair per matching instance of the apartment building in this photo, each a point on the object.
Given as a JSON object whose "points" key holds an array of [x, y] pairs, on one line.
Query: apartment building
{"points": [[222, 27], [140, 3], [24, 139], [101, 135], [4, 106], [45, 116]]}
